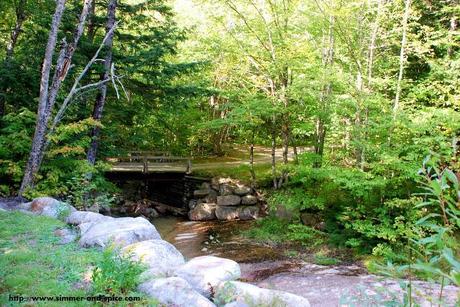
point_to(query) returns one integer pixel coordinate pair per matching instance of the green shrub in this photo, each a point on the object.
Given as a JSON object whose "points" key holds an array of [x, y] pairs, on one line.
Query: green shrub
{"points": [[115, 274]]}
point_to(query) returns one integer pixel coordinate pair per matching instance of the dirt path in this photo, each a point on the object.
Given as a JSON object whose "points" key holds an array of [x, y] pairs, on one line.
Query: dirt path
{"points": [[262, 155]]}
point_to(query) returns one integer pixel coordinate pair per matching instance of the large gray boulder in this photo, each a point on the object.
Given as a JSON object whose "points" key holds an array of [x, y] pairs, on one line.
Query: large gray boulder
{"points": [[225, 213], [228, 200], [245, 293], [248, 213], [203, 212], [204, 273], [242, 190], [174, 291], [80, 217], [159, 256], [225, 189], [249, 200], [118, 231], [201, 193], [49, 206]]}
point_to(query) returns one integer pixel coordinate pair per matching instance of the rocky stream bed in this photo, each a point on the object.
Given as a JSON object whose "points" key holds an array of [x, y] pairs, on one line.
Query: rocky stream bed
{"points": [[209, 263]]}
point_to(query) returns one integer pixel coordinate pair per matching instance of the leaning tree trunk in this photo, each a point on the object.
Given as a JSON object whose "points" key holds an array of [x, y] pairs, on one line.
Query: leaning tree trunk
{"points": [[40, 126], [101, 97], [48, 94]]}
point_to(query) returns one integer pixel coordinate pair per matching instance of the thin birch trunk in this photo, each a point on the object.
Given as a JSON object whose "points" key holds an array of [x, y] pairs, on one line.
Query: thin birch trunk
{"points": [[370, 66], [40, 127], [101, 97], [251, 161], [320, 127], [275, 182], [48, 94], [396, 105]]}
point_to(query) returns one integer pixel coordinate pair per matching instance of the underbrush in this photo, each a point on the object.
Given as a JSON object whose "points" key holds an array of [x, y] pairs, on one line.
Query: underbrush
{"points": [[32, 263]]}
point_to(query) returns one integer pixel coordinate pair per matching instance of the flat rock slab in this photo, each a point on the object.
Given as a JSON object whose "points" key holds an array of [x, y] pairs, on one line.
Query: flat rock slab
{"points": [[206, 272], [174, 291], [348, 286], [161, 257], [80, 217], [228, 200], [245, 293], [118, 231]]}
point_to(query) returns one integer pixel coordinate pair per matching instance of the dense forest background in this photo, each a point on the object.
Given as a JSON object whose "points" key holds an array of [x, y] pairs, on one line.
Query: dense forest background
{"points": [[370, 87]]}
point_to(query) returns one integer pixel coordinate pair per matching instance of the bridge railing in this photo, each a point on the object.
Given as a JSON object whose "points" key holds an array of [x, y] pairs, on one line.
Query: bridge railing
{"points": [[146, 157]]}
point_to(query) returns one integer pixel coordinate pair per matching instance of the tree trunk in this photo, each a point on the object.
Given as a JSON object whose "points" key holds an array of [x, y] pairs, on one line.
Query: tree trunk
{"points": [[320, 127], [370, 66], [452, 29], [101, 97], [401, 57], [48, 94], [40, 127], [251, 161], [275, 182]]}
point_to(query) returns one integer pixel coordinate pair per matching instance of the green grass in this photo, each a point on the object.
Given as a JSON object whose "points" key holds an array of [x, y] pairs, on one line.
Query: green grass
{"points": [[33, 264]]}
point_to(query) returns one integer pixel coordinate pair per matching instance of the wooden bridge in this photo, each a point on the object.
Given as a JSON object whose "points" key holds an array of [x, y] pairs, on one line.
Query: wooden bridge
{"points": [[150, 162]]}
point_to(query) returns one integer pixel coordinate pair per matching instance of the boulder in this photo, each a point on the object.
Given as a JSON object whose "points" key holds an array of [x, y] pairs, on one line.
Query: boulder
{"points": [[204, 273], [228, 200], [159, 256], [66, 235], [284, 213], [203, 212], [242, 190], [312, 220], [151, 213], [49, 206], [80, 217], [249, 200], [212, 197], [225, 213], [248, 213], [119, 231], [174, 291], [205, 186], [192, 204], [201, 193], [254, 296], [225, 189]]}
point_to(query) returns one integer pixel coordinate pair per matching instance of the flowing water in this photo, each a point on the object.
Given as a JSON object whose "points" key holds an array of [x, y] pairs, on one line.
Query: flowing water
{"points": [[268, 267], [216, 238]]}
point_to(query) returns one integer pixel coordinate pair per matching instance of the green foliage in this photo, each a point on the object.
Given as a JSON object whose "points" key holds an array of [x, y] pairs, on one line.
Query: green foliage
{"points": [[274, 230], [15, 141], [115, 274], [321, 259]]}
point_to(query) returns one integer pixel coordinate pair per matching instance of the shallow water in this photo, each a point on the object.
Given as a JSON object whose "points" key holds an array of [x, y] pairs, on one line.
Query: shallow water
{"points": [[216, 238]]}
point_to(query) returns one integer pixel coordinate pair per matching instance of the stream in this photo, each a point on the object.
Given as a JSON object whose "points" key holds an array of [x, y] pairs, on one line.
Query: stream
{"points": [[268, 267]]}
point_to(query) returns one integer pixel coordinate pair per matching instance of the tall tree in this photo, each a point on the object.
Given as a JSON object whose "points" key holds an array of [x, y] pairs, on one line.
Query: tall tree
{"points": [[48, 93], [101, 96]]}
